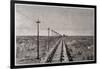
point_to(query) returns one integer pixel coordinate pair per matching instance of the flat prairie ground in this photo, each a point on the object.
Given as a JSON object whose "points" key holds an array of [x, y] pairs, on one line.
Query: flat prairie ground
{"points": [[81, 48]]}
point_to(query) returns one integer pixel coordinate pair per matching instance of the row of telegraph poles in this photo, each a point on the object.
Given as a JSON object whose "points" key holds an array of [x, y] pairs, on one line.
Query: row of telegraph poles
{"points": [[38, 22]]}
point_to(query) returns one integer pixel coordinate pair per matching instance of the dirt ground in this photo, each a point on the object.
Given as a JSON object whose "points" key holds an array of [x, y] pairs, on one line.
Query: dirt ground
{"points": [[80, 47]]}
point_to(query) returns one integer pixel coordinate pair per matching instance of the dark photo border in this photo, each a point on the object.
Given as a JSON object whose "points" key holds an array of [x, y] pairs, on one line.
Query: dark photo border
{"points": [[12, 32]]}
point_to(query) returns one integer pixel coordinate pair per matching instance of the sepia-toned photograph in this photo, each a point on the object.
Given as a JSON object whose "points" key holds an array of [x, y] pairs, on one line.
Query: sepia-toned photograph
{"points": [[47, 34]]}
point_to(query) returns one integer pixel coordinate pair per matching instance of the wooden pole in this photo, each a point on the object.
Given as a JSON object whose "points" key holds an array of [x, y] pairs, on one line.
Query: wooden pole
{"points": [[38, 39], [48, 37]]}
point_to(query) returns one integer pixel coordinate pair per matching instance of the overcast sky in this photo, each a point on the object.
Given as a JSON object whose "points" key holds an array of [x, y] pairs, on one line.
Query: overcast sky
{"points": [[64, 20]]}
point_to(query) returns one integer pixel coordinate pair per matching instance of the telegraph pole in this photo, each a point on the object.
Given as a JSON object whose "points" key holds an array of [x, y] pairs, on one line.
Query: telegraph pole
{"points": [[38, 38], [48, 37]]}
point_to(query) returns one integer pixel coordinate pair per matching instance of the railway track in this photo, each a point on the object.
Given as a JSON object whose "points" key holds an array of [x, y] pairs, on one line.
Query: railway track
{"points": [[59, 54]]}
